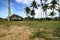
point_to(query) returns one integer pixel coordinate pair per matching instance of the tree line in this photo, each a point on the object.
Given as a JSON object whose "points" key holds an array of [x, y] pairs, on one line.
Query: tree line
{"points": [[45, 6], [53, 5]]}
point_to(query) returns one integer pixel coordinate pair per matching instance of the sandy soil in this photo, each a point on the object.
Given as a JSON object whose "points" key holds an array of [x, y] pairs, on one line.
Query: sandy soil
{"points": [[15, 32]]}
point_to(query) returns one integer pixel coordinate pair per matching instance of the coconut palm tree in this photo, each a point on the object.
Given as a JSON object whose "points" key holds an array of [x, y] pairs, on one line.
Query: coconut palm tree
{"points": [[53, 5], [33, 5], [52, 14], [27, 10], [9, 13], [32, 13], [44, 6], [58, 7], [41, 7], [45, 9], [59, 11]]}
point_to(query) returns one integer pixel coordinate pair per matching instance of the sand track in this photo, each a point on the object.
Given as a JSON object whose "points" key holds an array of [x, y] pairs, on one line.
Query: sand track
{"points": [[15, 32]]}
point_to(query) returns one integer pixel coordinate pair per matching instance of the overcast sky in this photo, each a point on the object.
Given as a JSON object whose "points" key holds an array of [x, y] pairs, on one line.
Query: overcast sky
{"points": [[17, 7]]}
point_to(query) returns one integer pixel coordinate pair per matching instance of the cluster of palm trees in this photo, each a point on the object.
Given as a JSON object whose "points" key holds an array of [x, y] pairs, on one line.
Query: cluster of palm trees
{"points": [[30, 11], [52, 5]]}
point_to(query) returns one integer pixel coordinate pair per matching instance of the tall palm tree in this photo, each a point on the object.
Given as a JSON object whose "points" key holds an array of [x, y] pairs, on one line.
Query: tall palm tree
{"points": [[52, 14], [41, 2], [34, 5], [9, 13], [59, 11], [45, 9], [58, 7], [53, 5], [44, 6], [41, 6], [27, 10], [32, 13]]}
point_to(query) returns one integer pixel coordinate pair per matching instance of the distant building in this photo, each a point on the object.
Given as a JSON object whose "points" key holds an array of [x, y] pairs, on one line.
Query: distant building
{"points": [[15, 17]]}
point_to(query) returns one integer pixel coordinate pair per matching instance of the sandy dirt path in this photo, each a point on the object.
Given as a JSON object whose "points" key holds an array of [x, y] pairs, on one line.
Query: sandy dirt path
{"points": [[15, 32]]}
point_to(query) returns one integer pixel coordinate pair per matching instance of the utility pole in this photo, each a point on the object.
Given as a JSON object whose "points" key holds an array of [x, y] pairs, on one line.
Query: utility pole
{"points": [[9, 13]]}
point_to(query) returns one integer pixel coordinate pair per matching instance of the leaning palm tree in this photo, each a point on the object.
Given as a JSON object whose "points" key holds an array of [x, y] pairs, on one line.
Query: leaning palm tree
{"points": [[9, 13], [27, 10]]}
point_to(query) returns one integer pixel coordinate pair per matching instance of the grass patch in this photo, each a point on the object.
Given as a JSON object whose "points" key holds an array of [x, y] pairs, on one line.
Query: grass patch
{"points": [[37, 27], [34, 24]]}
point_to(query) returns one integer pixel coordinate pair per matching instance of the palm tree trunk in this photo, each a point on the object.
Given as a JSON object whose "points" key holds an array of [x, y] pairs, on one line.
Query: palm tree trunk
{"points": [[59, 14], [45, 14], [33, 15], [41, 12], [9, 18], [52, 16], [41, 7]]}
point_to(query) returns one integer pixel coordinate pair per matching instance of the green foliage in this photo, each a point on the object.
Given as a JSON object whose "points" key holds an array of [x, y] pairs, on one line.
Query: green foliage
{"points": [[54, 3], [34, 4], [45, 7], [27, 9], [52, 13], [32, 13], [35, 24]]}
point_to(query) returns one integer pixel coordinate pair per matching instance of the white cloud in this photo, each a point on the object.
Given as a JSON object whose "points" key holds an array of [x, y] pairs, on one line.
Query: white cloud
{"points": [[38, 11], [27, 2]]}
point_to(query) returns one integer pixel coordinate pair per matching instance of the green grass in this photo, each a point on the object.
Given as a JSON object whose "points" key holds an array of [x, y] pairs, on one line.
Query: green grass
{"points": [[46, 25], [35, 24]]}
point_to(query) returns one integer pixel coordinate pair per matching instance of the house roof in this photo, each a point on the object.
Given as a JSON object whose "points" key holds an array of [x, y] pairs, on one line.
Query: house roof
{"points": [[14, 15]]}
